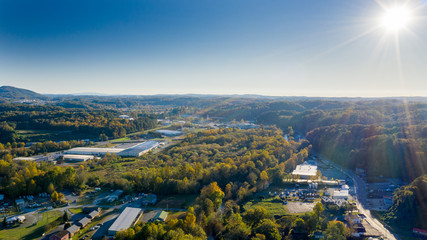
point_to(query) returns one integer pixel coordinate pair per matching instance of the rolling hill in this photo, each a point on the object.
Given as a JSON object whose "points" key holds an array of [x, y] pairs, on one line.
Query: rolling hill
{"points": [[13, 93]]}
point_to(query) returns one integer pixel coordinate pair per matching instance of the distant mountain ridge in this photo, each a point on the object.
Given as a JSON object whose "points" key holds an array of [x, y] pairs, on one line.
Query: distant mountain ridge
{"points": [[13, 93]]}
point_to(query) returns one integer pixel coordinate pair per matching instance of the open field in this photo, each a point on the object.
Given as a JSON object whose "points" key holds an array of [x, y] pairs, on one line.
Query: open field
{"points": [[33, 231], [177, 201], [300, 207], [76, 210], [273, 205]]}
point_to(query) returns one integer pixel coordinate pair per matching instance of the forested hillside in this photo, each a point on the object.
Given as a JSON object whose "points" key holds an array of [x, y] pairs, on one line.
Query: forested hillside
{"points": [[386, 137], [410, 205], [84, 122], [241, 161]]}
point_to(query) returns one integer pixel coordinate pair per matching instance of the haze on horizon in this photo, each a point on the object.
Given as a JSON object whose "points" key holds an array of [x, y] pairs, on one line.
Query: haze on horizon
{"points": [[281, 48]]}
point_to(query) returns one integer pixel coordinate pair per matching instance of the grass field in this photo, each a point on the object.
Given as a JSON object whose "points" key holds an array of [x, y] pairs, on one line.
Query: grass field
{"points": [[33, 231], [177, 201], [175, 215], [271, 204], [76, 210]]}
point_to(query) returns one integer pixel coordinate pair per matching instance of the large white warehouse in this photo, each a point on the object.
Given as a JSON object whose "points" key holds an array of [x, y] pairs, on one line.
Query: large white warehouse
{"points": [[133, 151]]}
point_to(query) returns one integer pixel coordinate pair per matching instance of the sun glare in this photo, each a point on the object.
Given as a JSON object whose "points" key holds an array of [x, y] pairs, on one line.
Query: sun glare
{"points": [[396, 18]]}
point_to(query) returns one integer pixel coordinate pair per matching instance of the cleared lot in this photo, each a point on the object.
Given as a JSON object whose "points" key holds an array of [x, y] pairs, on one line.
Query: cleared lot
{"points": [[300, 207]]}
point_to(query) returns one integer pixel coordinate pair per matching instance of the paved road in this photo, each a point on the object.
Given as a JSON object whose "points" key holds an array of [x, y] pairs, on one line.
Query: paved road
{"points": [[361, 195]]}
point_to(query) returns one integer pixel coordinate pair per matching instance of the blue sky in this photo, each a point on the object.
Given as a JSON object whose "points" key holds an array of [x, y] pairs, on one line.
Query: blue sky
{"points": [[277, 47]]}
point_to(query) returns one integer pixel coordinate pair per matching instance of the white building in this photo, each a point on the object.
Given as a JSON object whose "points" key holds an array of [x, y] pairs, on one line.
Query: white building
{"points": [[77, 158], [126, 117], [127, 219], [134, 151], [340, 194], [305, 171]]}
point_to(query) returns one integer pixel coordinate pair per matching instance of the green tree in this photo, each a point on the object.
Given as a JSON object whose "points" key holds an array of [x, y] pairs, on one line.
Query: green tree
{"points": [[336, 230], [214, 193], [254, 216], [318, 210], [54, 196], [269, 229], [65, 217]]}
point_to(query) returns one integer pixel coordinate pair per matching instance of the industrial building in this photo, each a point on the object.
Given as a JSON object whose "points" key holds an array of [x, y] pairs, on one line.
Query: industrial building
{"points": [[340, 194], [134, 151], [305, 171], [77, 158], [127, 219], [169, 133]]}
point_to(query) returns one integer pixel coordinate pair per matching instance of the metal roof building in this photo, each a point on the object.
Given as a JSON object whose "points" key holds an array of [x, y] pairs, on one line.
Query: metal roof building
{"points": [[134, 151], [305, 170], [77, 158], [169, 132], [139, 149], [127, 219]]}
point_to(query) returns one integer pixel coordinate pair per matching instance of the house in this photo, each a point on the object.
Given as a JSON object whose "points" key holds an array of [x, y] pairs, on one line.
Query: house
{"points": [[72, 230], [94, 214], [160, 216], [83, 222], [353, 219], [21, 219], [61, 235]]}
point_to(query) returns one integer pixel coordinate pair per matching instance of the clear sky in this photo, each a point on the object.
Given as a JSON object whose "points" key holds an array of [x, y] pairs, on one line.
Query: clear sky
{"points": [[268, 47]]}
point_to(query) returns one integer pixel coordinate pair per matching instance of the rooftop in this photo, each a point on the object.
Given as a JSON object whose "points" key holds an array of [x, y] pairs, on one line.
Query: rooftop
{"points": [[129, 151], [73, 229], [305, 169], [125, 220]]}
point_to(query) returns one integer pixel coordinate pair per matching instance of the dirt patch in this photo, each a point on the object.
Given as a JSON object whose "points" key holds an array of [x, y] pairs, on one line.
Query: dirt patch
{"points": [[300, 207]]}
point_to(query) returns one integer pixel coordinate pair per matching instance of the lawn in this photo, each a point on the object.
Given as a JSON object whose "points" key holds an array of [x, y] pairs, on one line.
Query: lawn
{"points": [[33, 231], [175, 215], [273, 205], [177, 201], [121, 139], [76, 210]]}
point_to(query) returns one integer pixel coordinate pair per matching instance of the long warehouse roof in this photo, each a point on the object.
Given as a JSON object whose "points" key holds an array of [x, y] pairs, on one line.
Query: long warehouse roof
{"points": [[305, 169], [125, 220]]}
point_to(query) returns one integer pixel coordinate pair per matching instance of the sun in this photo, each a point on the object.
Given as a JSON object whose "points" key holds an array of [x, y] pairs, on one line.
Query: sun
{"points": [[396, 18]]}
